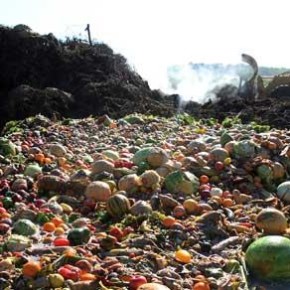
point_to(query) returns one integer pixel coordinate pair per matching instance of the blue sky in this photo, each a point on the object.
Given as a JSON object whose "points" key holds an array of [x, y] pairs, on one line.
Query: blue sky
{"points": [[153, 34]]}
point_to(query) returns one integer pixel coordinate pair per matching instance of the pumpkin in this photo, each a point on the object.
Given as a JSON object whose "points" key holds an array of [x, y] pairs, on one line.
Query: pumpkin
{"points": [[98, 191], [24, 227], [269, 257], [118, 205], [283, 191], [152, 286], [150, 179], [271, 221], [141, 207]]}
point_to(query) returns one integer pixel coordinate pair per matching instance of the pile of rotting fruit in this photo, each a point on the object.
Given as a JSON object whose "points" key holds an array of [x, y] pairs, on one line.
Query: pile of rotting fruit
{"points": [[143, 202]]}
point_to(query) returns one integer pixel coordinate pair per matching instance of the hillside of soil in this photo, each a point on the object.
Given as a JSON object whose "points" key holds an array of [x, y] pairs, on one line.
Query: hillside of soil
{"points": [[41, 74]]}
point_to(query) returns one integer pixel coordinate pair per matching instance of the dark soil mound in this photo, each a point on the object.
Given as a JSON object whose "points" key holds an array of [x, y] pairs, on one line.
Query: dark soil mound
{"points": [[40, 74]]}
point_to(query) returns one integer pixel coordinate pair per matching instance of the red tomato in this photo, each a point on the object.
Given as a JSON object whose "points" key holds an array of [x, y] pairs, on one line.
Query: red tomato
{"points": [[61, 242]]}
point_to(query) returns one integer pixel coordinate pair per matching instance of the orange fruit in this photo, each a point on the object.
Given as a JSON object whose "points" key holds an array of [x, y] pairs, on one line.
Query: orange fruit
{"points": [[201, 286], [204, 179], [168, 221], [57, 221], [49, 227], [87, 277], [31, 268], [183, 256]]}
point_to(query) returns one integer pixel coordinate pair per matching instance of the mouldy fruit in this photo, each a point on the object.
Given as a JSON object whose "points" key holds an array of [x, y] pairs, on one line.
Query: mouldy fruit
{"points": [[150, 179], [102, 165], [271, 221], [129, 183], [57, 150], [269, 257], [98, 191], [157, 157]]}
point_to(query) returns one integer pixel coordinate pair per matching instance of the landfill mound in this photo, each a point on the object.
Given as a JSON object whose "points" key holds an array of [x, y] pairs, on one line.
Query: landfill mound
{"points": [[43, 75]]}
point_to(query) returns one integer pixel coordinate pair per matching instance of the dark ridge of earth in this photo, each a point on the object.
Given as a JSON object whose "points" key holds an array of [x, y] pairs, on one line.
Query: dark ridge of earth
{"points": [[41, 74]]}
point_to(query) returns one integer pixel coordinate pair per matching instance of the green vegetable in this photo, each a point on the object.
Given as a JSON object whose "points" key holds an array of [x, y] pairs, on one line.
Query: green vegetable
{"points": [[141, 155], [7, 147], [24, 227], [185, 182], [17, 243], [79, 236], [32, 170], [244, 149], [269, 257]]}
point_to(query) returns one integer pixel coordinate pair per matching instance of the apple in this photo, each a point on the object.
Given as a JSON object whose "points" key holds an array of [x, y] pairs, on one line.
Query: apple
{"points": [[137, 281]]}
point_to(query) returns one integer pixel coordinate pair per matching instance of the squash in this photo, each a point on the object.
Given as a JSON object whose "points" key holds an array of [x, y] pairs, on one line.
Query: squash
{"points": [[24, 227], [271, 221], [269, 257], [118, 205]]}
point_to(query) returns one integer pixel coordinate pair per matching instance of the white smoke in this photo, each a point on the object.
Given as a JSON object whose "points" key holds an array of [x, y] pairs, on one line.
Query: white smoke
{"points": [[197, 82]]}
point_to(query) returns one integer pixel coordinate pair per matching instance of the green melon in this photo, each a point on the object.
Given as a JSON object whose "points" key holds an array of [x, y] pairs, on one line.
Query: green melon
{"points": [[269, 258]]}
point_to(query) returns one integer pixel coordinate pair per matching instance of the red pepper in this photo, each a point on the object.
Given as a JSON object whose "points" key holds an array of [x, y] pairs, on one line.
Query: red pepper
{"points": [[117, 233], [70, 272]]}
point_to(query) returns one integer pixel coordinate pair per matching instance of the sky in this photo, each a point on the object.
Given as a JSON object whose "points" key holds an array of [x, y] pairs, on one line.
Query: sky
{"points": [[155, 34]]}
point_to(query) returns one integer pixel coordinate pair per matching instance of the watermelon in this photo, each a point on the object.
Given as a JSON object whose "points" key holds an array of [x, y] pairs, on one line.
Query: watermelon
{"points": [[268, 258]]}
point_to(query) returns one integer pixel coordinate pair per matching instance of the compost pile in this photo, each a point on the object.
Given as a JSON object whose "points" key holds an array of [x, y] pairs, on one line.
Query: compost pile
{"points": [[41, 74], [103, 203]]}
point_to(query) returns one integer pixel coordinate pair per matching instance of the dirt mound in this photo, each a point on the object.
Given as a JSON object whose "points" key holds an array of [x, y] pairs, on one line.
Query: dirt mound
{"points": [[40, 74]]}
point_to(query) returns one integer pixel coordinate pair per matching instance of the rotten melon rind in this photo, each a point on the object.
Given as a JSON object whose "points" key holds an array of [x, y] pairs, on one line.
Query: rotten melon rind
{"points": [[269, 258]]}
